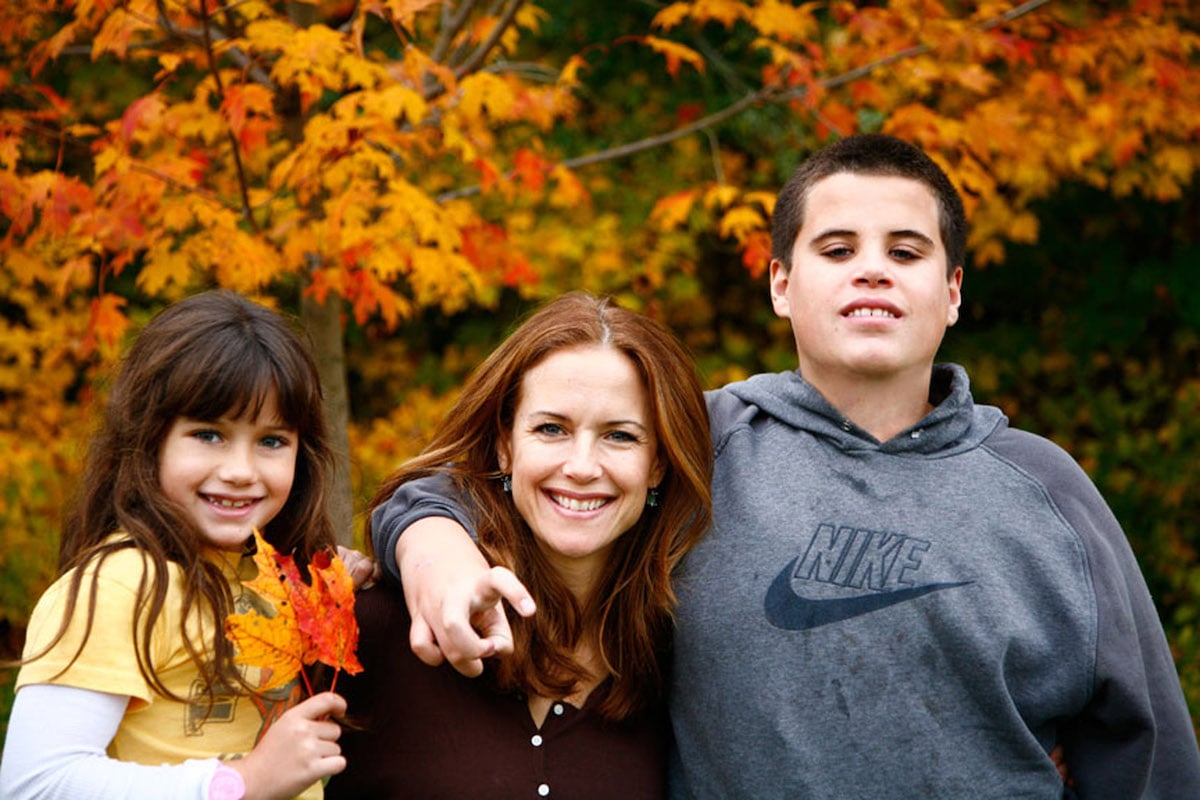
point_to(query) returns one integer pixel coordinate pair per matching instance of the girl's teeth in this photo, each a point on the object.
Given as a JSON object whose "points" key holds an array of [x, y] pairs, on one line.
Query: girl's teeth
{"points": [[231, 503]]}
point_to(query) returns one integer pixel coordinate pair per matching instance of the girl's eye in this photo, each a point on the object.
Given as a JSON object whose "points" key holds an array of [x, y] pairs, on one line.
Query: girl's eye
{"points": [[274, 442], [207, 435]]}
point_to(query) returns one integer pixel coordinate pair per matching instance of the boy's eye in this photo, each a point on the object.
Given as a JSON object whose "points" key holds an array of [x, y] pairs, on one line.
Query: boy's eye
{"points": [[904, 254], [837, 251]]}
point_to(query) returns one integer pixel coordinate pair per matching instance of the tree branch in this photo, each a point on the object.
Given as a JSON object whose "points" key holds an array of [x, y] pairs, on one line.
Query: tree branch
{"points": [[243, 184], [476, 58], [767, 94], [452, 23], [239, 57]]}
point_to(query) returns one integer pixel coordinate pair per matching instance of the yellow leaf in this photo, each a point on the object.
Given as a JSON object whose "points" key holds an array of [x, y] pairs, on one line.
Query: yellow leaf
{"points": [[397, 103], [269, 34], [675, 54], [1023, 228], [671, 212], [113, 36], [784, 21], [404, 11], [740, 222], [1176, 161], [975, 78], [163, 265], [569, 74], [569, 191], [720, 196], [484, 93], [671, 16]]}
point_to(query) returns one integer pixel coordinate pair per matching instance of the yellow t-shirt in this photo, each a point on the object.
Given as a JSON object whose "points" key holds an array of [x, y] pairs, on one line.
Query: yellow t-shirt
{"points": [[155, 730]]}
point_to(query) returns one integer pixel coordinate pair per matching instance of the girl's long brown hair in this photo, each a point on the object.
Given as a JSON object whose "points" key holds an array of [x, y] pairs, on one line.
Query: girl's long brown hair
{"points": [[630, 614], [205, 357]]}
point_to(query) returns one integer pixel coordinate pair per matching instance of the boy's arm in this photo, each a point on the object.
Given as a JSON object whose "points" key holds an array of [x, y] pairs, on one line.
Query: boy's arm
{"points": [[1134, 737], [1136, 727], [421, 536]]}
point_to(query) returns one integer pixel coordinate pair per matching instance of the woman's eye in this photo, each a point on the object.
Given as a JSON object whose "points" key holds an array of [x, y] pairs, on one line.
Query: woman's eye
{"points": [[549, 428], [623, 436]]}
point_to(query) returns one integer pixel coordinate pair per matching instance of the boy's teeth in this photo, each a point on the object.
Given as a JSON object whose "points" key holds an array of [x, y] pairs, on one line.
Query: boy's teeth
{"points": [[870, 312], [572, 504]]}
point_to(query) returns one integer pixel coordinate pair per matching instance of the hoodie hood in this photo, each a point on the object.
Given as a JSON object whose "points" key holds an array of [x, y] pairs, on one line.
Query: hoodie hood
{"points": [[955, 423]]}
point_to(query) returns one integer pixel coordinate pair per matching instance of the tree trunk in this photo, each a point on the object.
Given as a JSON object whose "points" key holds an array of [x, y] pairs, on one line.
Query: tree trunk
{"points": [[323, 322]]}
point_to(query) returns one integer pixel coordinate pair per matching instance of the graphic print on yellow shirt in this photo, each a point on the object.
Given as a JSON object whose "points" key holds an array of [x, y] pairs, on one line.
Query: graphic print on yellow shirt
{"points": [[155, 730]]}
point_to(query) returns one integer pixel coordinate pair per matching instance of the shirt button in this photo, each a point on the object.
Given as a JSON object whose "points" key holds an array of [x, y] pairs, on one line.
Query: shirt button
{"points": [[536, 741], [846, 425], [915, 434], [558, 710], [543, 790]]}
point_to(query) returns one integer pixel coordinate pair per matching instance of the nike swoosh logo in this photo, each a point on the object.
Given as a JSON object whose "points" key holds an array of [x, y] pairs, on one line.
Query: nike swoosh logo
{"points": [[791, 612]]}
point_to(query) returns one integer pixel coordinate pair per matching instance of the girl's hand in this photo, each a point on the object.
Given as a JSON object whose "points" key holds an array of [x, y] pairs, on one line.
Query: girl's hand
{"points": [[362, 568], [299, 749]]}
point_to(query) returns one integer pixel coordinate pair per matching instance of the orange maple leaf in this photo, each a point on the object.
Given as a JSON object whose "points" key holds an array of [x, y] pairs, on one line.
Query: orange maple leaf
{"points": [[331, 627], [107, 324], [312, 621]]}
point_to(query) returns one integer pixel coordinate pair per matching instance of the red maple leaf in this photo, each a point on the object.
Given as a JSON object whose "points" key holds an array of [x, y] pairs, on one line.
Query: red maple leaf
{"points": [[313, 621]]}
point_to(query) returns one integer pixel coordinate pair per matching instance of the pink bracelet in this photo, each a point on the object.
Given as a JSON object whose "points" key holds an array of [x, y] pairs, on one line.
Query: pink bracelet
{"points": [[226, 784]]}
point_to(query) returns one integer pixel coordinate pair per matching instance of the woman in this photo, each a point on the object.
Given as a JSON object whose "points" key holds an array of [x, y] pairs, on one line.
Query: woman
{"points": [[582, 447]]}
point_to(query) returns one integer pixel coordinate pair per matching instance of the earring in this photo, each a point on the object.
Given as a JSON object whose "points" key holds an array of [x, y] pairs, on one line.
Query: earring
{"points": [[506, 483], [652, 497]]}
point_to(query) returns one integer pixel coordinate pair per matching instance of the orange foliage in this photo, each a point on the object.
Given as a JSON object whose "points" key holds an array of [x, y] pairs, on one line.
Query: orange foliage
{"points": [[397, 157], [313, 621]]}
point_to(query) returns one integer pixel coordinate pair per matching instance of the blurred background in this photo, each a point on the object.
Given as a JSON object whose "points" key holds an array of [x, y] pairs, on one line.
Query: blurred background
{"points": [[407, 177]]}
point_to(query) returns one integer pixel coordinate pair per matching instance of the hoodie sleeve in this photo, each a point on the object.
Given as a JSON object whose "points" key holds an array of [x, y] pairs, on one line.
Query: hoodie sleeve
{"points": [[1134, 737], [726, 412], [431, 496]]}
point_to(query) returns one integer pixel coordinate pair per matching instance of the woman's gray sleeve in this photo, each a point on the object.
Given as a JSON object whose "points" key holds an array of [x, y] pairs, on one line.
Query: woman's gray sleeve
{"points": [[431, 496]]}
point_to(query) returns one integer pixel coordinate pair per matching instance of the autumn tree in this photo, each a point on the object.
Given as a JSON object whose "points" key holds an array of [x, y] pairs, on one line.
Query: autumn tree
{"points": [[372, 165]]}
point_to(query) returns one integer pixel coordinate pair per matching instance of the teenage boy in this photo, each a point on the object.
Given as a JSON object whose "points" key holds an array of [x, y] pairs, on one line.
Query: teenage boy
{"points": [[900, 595]]}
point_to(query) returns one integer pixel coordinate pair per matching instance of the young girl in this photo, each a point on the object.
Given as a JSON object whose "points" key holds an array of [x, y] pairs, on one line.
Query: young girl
{"points": [[128, 687]]}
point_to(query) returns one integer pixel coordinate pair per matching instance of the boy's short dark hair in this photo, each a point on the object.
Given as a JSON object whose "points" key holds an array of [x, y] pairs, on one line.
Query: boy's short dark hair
{"points": [[869, 154]]}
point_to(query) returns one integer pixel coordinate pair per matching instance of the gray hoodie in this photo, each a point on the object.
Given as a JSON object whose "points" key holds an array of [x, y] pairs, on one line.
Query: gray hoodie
{"points": [[921, 617]]}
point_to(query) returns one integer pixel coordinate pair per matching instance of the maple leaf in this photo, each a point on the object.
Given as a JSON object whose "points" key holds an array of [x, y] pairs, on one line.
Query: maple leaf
{"points": [[484, 93], [312, 621], [671, 212], [107, 323], [330, 626], [675, 54]]}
